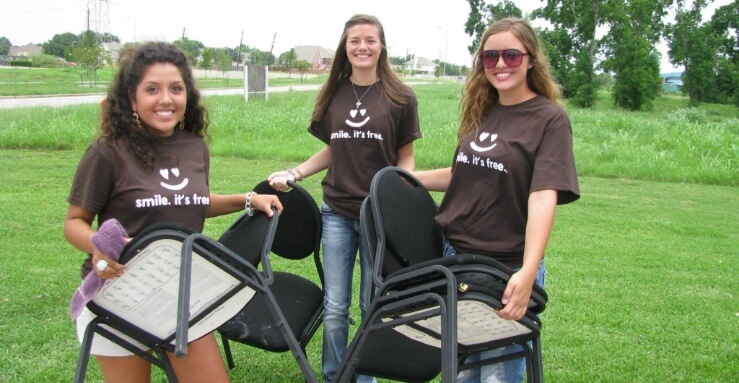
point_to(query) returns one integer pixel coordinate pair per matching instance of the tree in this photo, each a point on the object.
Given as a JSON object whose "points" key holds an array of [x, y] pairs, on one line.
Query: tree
{"points": [[60, 44], [635, 29], [89, 55], [575, 23], [482, 15], [206, 59], [223, 62], [559, 49], [287, 59], [690, 47], [724, 20], [257, 57], [302, 66], [108, 38], [191, 48], [4, 45]]}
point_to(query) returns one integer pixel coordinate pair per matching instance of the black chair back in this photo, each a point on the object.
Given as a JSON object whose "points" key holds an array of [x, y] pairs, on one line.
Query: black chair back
{"points": [[404, 214]]}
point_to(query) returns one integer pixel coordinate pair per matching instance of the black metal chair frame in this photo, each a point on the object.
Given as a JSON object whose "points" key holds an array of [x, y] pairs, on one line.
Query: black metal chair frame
{"points": [[205, 247], [429, 288], [284, 246]]}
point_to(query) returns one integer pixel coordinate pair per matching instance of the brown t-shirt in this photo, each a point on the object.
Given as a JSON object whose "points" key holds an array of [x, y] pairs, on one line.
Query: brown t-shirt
{"points": [[519, 149], [111, 184], [363, 139]]}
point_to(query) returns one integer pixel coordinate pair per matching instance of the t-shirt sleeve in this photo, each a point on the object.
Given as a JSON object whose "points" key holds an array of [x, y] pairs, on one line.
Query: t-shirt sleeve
{"points": [[554, 166], [409, 130], [318, 129], [92, 182]]}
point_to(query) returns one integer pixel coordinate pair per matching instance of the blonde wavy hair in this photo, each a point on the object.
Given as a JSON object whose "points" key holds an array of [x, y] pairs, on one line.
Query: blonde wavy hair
{"points": [[479, 95]]}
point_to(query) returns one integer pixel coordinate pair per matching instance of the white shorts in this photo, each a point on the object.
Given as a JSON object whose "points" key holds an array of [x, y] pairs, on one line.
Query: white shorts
{"points": [[101, 345]]}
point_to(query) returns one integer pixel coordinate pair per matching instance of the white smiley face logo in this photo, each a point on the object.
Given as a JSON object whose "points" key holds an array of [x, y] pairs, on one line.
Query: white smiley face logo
{"points": [[483, 137], [176, 173], [353, 113]]}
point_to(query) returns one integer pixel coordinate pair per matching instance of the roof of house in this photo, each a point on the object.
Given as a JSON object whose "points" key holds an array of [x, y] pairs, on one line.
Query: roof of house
{"points": [[307, 52], [420, 61], [25, 50]]}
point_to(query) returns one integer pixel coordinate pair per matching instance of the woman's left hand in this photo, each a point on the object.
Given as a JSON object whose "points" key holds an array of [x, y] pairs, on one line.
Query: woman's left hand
{"points": [[516, 296], [265, 203]]}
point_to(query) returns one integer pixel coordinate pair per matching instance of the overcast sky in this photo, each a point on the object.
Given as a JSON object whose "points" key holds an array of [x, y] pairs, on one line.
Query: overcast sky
{"points": [[427, 28]]}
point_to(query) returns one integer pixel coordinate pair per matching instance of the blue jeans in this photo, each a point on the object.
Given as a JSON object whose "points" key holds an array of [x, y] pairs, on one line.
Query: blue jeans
{"points": [[342, 238], [511, 371]]}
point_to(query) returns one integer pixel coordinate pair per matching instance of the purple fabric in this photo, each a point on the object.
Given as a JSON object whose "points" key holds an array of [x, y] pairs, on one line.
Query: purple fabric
{"points": [[110, 239]]}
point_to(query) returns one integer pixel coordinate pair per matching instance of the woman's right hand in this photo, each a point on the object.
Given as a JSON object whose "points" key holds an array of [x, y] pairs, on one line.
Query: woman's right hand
{"points": [[278, 180], [113, 268]]}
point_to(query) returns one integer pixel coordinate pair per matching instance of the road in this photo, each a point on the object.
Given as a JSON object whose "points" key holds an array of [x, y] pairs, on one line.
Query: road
{"points": [[76, 99]]}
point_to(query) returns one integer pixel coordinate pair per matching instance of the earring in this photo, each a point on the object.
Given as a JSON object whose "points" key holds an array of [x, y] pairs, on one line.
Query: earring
{"points": [[136, 118], [531, 66], [182, 123]]}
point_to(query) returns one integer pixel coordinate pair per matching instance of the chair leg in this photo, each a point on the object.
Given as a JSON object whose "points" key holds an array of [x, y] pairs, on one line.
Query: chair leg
{"points": [[166, 366], [538, 362], [85, 347], [227, 352]]}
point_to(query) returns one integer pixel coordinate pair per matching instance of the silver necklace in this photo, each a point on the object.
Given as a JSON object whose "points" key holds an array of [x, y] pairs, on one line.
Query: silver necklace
{"points": [[359, 99]]}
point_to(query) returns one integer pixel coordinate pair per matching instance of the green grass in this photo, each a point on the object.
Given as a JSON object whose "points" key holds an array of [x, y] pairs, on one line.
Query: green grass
{"points": [[641, 270], [673, 143]]}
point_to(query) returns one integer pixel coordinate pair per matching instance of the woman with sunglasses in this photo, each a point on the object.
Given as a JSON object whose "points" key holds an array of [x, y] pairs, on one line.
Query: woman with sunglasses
{"points": [[513, 164]]}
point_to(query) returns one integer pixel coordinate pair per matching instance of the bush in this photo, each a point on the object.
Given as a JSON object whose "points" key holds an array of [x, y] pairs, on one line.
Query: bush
{"points": [[693, 115], [46, 61], [22, 63]]}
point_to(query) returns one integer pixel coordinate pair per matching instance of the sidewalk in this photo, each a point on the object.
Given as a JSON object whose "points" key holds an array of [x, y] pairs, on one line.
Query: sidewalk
{"points": [[76, 99]]}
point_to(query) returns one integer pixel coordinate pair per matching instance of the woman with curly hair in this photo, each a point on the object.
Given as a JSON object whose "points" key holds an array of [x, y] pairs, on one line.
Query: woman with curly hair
{"points": [[149, 164]]}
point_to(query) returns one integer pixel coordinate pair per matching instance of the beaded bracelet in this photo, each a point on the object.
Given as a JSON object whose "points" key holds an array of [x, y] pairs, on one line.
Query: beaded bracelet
{"points": [[295, 172], [247, 205]]}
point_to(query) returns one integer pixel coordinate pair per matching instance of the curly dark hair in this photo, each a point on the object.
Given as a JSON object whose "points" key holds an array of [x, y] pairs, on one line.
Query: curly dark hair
{"points": [[118, 126]]}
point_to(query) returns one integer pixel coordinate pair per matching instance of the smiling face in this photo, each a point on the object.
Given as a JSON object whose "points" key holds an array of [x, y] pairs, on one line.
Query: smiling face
{"points": [[160, 99], [363, 47], [510, 82]]}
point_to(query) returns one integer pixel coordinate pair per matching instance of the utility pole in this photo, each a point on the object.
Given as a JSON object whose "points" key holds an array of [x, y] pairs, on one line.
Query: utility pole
{"points": [[238, 54], [272, 47], [183, 34]]}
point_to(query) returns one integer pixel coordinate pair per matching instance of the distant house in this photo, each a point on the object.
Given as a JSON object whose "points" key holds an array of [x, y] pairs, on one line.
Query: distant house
{"points": [[113, 49], [25, 51], [421, 65], [672, 82], [320, 58]]}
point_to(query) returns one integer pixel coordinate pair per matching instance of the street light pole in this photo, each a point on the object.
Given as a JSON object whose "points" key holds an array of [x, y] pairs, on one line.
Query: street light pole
{"points": [[446, 45]]}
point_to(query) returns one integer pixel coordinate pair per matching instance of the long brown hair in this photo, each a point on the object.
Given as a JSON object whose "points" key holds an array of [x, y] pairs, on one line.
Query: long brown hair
{"points": [[480, 96], [118, 126], [391, 84]]}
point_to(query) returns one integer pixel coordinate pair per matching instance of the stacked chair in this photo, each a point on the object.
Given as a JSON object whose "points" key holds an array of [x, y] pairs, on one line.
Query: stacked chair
{"points": [[141, 304], [287, 316], [430, 313]]}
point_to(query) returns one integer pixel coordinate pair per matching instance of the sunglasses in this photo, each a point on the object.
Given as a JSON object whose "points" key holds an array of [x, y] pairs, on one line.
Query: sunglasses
{"points": [[511, 57]]}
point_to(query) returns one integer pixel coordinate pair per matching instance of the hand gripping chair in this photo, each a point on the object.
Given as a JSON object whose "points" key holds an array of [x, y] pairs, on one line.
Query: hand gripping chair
{"points": [[430, 313], [167, 264], [297, 300]]}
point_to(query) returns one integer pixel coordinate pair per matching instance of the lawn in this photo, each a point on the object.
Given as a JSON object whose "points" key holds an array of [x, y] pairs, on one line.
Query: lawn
{"points": [[641, 270]]}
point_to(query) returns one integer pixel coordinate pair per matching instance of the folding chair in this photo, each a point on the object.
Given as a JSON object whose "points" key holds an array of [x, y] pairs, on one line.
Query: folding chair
{"points": [[151, 303], [298, 300], [429, 313]]}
